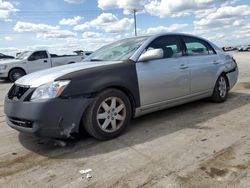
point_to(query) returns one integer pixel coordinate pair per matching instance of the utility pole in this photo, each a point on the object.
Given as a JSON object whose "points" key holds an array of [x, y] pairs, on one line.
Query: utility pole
{"points": [[134, 12]]}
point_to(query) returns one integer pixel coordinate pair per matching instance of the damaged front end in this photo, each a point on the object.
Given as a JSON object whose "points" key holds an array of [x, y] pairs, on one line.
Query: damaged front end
{"points": [[54, 118]]}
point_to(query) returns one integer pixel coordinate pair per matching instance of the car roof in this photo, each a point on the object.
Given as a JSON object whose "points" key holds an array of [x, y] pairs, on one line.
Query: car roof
{"points": [[167, 33]]}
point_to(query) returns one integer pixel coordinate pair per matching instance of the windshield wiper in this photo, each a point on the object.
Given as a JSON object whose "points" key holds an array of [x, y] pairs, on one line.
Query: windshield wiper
{"points": [[96, 60]]}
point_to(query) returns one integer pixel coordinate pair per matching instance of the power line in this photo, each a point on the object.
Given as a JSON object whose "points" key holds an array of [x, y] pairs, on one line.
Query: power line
{"points": [[95, 10]]}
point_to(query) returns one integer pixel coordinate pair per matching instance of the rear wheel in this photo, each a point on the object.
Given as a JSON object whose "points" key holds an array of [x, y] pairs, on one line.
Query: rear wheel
{"points": [[109, 114], [16, 74], [221, 89]]}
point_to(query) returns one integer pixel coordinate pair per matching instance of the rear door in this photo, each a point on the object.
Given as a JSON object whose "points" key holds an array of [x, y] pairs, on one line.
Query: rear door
{"points": [[39, 60], [163, 79], [203, 63]]}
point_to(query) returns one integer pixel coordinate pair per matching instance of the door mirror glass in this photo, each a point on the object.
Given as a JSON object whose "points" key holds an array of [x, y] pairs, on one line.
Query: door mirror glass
{"points": [[151, 55]]}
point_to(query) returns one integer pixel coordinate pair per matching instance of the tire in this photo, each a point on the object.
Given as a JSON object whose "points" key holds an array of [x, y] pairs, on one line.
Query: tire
{"points": [[221, 89], [16, 74], [106, 119]]}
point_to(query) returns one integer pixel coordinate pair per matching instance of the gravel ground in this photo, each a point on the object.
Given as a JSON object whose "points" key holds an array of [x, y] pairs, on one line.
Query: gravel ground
{"points": [[199, 144]]}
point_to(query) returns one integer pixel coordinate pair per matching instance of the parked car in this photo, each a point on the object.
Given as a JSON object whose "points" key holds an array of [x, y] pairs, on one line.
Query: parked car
{"points": [[3, 56], [229, 48], [120, 81], [244, 48], [31, 61], [84, 53]]}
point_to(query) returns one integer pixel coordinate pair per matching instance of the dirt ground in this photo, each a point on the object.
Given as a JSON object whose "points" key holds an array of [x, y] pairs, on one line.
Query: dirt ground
{"points": [[199, 144]]}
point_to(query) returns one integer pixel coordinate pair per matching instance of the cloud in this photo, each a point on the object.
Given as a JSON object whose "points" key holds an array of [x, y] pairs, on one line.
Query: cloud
{"points": [[8, 38], [43, 30], [6, 9], [107, 22], [243, 32], [217, 37], [71, 21], [223, 25], [75, 1], [55, 34], [31, 27], [171, 28], [126, 5], [9, 50], [65, 46], [120, 26], [103, 19], [166, 8], [82, 27], [230, 11], [161, 8], [222, 17], [91, 34]]}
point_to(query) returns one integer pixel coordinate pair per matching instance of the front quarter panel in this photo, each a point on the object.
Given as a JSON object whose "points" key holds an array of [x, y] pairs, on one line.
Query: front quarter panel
{"points": [[14, 65], [91, 81]]}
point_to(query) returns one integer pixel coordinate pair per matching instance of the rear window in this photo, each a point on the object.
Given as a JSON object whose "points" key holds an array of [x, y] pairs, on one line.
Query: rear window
{"points": [[195, 46]]}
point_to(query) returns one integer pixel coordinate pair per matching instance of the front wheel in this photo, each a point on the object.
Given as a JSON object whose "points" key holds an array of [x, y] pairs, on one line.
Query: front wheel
{"points": [[16, 74], [220, 92], [108, 116]]}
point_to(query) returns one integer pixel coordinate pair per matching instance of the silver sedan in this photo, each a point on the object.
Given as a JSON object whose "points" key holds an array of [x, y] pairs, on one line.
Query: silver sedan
{"points": [[125, 79]]}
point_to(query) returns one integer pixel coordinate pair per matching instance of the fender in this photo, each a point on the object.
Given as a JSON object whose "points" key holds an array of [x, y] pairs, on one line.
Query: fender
{"points": [[226, 71], [17, 68], [89, 82]]}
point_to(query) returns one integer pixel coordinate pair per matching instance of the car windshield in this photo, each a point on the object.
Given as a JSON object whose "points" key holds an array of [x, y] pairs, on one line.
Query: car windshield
{"points": [[117, 51], [24, 55]]}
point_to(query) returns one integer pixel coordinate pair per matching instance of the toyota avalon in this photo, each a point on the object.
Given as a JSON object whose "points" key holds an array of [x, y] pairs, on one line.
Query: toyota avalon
{"points": [[120, 81]]}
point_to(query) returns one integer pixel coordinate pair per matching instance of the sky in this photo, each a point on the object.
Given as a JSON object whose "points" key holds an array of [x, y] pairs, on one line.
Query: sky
{"points": [[62, 26]]}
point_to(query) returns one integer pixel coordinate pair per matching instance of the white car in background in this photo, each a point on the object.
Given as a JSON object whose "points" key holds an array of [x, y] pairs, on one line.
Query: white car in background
{"points": [[244, 48], [31, 61]]}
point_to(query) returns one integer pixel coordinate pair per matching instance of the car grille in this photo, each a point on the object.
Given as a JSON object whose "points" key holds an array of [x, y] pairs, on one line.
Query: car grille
{"points": [[16, 92]]}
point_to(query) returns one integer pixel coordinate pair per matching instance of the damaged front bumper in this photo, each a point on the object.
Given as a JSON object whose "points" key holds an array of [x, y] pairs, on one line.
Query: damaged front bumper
{"points": [[54, 118]]}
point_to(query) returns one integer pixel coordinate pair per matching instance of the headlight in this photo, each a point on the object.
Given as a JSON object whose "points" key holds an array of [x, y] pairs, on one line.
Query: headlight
{"points": [[3, 67], [50, 90]]}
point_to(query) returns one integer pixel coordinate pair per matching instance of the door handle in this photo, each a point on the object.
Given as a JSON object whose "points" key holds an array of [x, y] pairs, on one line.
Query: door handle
{"points": [[45, 61], [216, 62], [183, 66]]}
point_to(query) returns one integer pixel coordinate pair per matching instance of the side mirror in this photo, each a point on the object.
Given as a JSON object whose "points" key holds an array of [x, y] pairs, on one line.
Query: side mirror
{"points": [[151, 55]]}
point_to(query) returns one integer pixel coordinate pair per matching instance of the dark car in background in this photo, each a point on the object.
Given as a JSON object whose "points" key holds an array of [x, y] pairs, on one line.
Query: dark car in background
{"points": [[3, 56]]}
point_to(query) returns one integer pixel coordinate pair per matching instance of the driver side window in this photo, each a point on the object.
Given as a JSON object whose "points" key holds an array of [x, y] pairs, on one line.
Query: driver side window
{"points": [[39, 55], [169, 44]]}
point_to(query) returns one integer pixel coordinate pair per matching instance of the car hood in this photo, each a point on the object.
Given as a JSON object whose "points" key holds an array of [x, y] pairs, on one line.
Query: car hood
{"points": [[49, 75], [9, 61]]}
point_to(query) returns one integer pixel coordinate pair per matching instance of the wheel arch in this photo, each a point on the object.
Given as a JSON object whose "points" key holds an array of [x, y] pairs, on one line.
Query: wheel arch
{"points": [[19, 68], [121, 88], [227, 80], [220, 72]]}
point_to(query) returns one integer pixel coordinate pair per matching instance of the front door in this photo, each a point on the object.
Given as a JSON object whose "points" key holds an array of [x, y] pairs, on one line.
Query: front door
{"points": [[163, 79], [39, 60]]}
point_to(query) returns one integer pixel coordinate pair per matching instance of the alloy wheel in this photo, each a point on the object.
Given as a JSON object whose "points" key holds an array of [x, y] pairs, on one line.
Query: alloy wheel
{"points": [[222, 87], [111, 114]]}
